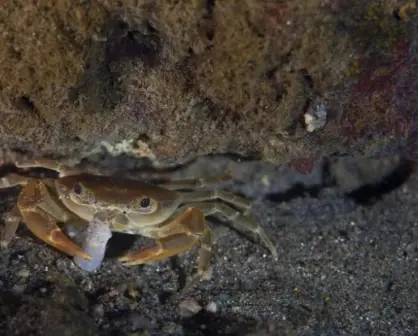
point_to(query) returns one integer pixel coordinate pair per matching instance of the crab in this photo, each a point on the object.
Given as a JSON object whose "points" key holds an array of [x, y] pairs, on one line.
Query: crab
{"points": [[171, 213]]}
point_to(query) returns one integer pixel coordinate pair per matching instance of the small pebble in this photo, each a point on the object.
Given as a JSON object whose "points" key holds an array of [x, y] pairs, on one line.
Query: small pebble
{"points": [[18, 289], [265, 180], [173, 328], [189, 308], [98, 310], [23, 273], [211, 307], [87, 284], [235, 309], [139, 322]]}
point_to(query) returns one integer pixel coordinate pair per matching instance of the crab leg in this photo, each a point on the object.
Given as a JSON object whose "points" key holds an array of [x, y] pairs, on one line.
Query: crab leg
{"points": [[247, 222], [210, 195], [196, 183], [11, 223], [41, 223], [49, 164], [11, 219], [181, 234], [12, 180]]}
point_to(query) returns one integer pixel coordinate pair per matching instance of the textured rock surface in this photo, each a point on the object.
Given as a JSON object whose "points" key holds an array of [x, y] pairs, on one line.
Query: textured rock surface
{"points": [[186, 78]]}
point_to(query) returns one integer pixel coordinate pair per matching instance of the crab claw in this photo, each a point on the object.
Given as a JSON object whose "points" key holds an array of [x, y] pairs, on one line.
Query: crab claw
{"points": [[44, 227], [180, 235], [42, 224]]}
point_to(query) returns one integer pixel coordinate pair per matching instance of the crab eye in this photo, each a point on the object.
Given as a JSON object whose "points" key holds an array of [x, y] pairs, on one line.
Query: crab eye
{"points": [[78, 189], [145, 202]]}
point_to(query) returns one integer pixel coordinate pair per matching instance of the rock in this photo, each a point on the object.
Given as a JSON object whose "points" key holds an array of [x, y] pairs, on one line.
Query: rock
{"points": [[189, 307], [212, 307], [159, 81], [98, 310], [23, 273]]}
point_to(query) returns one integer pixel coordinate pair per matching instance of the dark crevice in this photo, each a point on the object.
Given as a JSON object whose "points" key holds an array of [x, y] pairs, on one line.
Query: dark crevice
{"points": [[327, 178], [35, 172], [131, 165], [298, 190], [25, 103], [270, 74], [210, 34], [94, 297], [237, 157], [210, 5], [121, 43], [119, 244], [40, 289], [10, 304], [7, 169], [306, 78], [144, 138], [396, 14], [207, 22]]}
